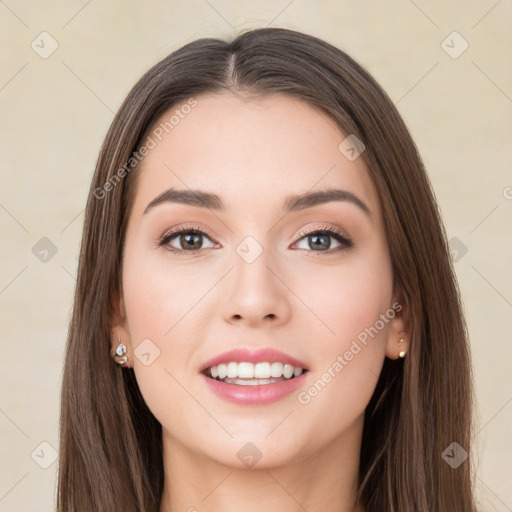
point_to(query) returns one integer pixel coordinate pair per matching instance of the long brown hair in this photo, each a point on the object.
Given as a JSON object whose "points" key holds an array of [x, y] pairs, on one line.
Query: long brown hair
{"points": [[110, 443]]}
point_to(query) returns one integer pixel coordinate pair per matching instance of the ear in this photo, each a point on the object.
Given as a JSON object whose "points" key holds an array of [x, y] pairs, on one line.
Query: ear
{"points": [[399, 328], [119, 331]]}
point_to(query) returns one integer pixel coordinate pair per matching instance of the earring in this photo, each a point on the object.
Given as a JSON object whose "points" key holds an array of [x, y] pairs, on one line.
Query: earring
{"points": [[402, 353], [120, 352]]}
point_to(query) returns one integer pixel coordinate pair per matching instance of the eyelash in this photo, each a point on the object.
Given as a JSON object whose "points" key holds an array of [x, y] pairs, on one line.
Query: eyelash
{"points": [[324, 230]]}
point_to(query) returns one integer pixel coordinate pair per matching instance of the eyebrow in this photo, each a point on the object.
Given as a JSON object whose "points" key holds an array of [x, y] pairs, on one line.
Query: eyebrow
{"points": [[292, 203]]}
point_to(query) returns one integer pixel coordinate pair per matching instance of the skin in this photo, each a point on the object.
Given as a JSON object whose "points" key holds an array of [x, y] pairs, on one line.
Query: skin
{"points": [[253, 153]]}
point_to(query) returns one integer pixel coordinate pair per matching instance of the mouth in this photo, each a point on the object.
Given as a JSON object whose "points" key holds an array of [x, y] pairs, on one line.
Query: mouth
{"points": [[253, 374], [246, 377]]}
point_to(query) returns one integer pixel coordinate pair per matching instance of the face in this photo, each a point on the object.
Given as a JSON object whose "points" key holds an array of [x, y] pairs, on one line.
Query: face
{"points": [[254, 275]]}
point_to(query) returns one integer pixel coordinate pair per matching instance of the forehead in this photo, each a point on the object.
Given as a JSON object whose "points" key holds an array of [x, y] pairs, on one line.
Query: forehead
{"points": [[252, 152]]}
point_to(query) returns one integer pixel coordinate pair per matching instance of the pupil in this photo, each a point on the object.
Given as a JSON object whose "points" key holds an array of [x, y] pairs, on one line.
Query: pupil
{"points": [[194, 238], [325, 238]]}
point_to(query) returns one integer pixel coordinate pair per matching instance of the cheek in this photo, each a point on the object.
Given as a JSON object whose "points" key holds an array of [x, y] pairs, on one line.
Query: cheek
{"points": [[159, 303], [349, 352], [169, 304], [159, 296], [348, 298]]}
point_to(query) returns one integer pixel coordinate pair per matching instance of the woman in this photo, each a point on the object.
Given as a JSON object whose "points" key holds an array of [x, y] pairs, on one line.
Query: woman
{"points": [[266, 316]]}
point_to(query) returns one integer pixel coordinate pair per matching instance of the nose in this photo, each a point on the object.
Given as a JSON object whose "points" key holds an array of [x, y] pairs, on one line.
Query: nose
{"points": [[256, 293]]}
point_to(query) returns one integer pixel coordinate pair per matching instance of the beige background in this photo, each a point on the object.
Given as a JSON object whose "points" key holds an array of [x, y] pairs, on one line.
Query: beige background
{"points": [[56, 110]]}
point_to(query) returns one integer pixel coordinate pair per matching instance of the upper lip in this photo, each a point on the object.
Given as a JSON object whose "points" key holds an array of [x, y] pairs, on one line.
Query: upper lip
{"points": [[261, 355]]}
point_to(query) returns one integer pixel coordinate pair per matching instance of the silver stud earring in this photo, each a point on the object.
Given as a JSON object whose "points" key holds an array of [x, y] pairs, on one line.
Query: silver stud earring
{"points": [[120, 352]]}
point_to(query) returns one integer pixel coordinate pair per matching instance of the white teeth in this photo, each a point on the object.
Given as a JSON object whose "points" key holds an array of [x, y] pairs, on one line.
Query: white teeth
{"points": [[288, 371], [276, 369], [262, 370], [246, 370], [223, 370], [234, 370]]}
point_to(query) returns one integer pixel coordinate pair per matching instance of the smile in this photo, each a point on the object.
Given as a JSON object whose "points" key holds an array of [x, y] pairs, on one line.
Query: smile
{"points": [[253, 374], [244, 376]]}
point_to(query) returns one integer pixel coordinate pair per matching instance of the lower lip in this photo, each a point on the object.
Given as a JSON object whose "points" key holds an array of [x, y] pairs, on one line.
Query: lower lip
{"points": [[254, 395]]}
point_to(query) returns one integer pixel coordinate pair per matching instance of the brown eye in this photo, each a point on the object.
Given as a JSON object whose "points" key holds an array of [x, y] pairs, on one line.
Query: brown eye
{"points": [[190, 240], [186, 240]]}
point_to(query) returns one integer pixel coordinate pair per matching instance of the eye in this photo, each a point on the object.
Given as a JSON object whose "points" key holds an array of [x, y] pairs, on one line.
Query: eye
{"points": [[189, 240], [318, 239]]}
